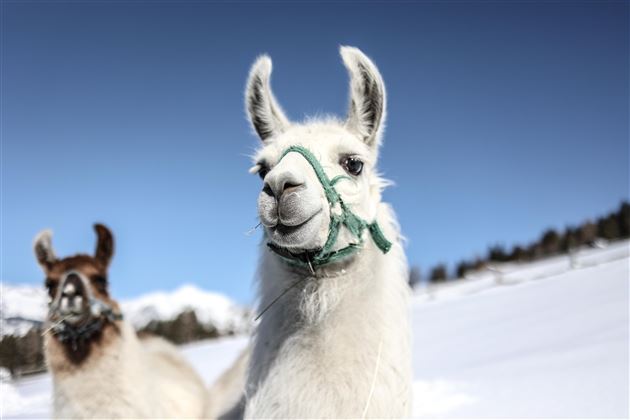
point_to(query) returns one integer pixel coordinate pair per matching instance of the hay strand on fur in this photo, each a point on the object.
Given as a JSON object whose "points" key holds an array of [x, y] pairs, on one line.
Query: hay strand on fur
{"points": [[378, 362], [252, 230], [284, 292], [47, 330]]}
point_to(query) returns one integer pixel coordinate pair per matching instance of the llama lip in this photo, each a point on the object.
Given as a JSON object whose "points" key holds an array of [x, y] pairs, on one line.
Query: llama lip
{"points": [[70, 315], [296, 236], [288, 226], [287, 230], [74, 318]]}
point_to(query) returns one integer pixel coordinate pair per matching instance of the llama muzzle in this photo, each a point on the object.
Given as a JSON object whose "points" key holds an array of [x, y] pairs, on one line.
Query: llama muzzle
{"points": [[72, 301]]}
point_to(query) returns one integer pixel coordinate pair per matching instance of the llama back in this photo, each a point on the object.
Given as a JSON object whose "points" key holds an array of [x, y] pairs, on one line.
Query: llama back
{"points": [[181, 391], [226, 396]]}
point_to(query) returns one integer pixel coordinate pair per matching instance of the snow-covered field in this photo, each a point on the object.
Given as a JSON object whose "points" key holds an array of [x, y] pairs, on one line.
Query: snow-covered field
{"points": [[548, 341]]}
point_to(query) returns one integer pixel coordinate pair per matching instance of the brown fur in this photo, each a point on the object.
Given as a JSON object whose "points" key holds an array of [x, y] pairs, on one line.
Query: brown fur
{"points": [[63, 359]]}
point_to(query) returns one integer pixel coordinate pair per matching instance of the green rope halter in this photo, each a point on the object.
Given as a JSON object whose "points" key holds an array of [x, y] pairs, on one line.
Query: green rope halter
{"points": [[346, 217]]}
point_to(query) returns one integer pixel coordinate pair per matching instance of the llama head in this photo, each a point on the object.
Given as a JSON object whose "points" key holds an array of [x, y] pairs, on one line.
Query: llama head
{"points": [[293, 205], [77, 285]]}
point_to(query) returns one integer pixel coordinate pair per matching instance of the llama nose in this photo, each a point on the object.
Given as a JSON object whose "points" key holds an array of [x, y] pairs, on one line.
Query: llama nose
{"points": [[284, 182], [72, 294]]}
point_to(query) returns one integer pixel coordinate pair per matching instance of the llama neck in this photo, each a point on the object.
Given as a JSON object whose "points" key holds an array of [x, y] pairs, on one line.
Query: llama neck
{"points": [[331, 330], [314, 297], [84, 386], [68, 358], [331, 296]]}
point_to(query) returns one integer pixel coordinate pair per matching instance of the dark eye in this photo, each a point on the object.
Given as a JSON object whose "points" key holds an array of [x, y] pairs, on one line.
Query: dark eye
{"points": [[100, 282], [51, 285], [352, 164], [263, 171]]}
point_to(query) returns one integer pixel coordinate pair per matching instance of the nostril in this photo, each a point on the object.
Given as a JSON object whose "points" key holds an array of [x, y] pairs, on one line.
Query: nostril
{"points": [[267, 190], [290, 186], [279, 182]]}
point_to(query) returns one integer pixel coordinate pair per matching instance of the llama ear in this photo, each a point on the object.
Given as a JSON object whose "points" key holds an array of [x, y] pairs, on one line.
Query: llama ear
{"points": [[44, 252], [104, 244], [263, 111], [366, 116]]}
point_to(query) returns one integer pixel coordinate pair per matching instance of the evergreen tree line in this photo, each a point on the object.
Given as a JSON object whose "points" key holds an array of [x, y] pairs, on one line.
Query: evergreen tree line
{"points": [[614, 226]]}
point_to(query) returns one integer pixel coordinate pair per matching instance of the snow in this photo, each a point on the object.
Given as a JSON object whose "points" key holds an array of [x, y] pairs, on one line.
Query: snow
{"points": [[21, 307], [555, 347], [548, 341], [29, 398]]}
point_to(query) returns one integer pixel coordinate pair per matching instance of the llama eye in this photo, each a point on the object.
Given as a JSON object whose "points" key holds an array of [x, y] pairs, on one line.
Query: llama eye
{"points": [[263, 171], [352, 165], [51, 285], [100, 282]]}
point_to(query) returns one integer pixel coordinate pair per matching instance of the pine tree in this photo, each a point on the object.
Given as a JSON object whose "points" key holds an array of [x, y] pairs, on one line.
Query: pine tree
{"points": [[497, 253], [550, 242], [462, 268], [438, 274], [587, 233], [570, 239], [608, 227], [518, 254], [623, 220]]}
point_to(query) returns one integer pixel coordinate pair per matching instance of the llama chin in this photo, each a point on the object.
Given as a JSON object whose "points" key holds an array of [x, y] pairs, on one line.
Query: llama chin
{"points": [[100, 367], [334, 338]]}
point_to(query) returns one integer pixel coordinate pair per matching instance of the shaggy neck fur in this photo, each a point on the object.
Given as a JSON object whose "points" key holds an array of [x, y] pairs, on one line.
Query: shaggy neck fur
{"points": [[75, 353], [120, 376], [338, 344]]}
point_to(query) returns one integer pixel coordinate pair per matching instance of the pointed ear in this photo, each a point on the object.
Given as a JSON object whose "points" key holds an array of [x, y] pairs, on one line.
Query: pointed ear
{"points": [[264, 113], [366, 116], [104, 245], [44, 251]]}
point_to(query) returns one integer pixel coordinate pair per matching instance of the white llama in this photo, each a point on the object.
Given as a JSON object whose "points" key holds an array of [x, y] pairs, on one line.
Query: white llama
{"points": [[100, 368], [334, 338]]}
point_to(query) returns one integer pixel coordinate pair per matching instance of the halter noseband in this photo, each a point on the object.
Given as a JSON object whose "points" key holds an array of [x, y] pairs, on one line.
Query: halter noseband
{"points": [[340, 215], [100, 312]]}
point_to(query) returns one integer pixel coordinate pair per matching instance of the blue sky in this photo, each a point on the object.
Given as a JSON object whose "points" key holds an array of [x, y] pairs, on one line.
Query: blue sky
{"points": [[504, 119]]}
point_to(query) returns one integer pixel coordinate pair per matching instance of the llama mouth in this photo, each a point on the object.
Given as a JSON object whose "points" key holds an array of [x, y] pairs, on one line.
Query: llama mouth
{"points": [[285, 230], [298, 236], [70, 317], [73, 318]]}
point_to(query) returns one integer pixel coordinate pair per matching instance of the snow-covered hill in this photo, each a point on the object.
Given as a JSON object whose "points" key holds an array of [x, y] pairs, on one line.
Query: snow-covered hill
{"points": [[547, 339], [209, 307], [23, 307]]}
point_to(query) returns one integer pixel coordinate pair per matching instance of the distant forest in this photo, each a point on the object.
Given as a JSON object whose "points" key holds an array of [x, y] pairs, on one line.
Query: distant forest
{"points": [[614, 226]]}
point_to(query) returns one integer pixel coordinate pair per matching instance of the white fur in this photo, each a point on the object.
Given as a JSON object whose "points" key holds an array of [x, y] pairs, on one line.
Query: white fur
{"points": [[337, 345], [272, 116], [127, 378], [43, 248], [364, 74], [315, 351]]}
